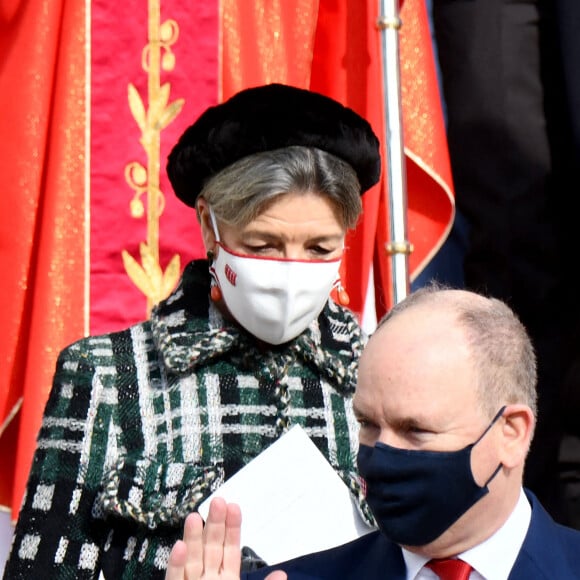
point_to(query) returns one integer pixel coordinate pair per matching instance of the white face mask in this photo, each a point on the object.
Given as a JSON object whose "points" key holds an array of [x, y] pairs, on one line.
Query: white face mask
{"points": [[274, 299]]}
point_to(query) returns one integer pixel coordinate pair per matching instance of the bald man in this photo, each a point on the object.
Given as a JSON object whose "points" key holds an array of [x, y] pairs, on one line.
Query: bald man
{"points": [[446, 401]]}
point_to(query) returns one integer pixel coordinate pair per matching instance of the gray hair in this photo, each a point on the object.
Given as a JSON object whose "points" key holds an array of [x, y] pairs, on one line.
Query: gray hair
{"points": [[500, 346], [241, 191]]}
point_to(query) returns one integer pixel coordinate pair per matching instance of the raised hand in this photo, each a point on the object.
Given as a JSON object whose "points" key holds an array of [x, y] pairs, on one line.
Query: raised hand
{"points": [[211, 552]]}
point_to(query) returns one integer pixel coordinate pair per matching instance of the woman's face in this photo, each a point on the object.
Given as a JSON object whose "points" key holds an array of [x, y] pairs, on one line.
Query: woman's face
{"points": [[295, 226]]}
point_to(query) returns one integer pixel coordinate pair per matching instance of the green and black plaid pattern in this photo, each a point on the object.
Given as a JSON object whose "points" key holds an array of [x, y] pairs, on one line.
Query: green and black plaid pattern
{"points": [[143, 424]]}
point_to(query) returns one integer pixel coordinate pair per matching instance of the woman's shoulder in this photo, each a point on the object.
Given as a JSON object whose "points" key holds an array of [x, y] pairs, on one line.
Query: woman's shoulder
{"points": [[104, 349]]}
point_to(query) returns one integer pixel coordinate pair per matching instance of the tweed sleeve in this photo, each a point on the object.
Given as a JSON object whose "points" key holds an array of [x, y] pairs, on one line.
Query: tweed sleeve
{"points": [[56, 534]]}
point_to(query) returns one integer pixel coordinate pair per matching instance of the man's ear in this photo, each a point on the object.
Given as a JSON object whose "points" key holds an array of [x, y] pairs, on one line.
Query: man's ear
{"points": [[207, 233], [517, 429]]}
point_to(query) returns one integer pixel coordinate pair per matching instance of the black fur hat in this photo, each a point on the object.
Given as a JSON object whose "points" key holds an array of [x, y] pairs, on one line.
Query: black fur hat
{"points": [[266, 118]]}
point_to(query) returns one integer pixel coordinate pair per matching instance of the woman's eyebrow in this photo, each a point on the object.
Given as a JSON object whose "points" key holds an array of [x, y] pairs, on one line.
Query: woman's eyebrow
{"points": [[275, 236]]}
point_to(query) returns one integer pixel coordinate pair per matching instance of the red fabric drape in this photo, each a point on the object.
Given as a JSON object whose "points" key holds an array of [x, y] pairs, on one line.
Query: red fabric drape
{"points": [[347, 66], [137, 48], [42, 90]]}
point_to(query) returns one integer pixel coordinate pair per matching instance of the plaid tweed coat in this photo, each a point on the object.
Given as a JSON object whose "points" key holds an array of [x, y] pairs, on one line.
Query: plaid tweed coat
{"points": [[143, 424]]}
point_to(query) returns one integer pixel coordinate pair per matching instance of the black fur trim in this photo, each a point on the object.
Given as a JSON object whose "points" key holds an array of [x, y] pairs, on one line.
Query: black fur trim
{"points": [[266, 118]]}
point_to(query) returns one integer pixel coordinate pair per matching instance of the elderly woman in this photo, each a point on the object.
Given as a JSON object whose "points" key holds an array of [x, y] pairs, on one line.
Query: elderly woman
{"points": [[143, 424]]}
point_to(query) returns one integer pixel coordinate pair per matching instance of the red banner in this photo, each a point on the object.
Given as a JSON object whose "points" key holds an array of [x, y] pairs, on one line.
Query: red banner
{"points": [[42, 233]]}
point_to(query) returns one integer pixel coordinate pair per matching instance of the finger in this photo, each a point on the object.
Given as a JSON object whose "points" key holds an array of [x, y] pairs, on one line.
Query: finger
{"points": [[176, 563], [277, 575], [214, 536], [193, 539], [232, 558]]}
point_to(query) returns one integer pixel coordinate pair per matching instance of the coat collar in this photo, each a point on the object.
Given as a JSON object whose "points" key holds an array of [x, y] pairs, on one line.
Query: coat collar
{"points": [[190, 332]]}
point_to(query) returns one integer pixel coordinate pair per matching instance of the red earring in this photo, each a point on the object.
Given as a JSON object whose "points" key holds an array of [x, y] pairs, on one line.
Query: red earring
{"points": [[343, 297], [215, 293]]}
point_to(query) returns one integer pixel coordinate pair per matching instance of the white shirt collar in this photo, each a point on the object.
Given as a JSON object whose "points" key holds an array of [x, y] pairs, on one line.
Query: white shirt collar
{"points": [[492, 559]]}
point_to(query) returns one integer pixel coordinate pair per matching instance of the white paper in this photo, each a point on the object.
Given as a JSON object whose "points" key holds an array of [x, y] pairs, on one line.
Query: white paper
{"points": [[292, 501]]}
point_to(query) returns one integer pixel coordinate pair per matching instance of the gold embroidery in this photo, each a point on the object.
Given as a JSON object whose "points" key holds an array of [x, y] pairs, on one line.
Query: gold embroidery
{"points": [[148, 275]]}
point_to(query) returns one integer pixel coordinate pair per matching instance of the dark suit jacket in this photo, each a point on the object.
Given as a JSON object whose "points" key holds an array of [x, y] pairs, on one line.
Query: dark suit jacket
{"points": [[550, 552], [568, 15]]}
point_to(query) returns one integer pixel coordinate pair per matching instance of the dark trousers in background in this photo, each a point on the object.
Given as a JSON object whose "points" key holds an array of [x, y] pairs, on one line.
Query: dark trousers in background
{"points": [[516, 177]]}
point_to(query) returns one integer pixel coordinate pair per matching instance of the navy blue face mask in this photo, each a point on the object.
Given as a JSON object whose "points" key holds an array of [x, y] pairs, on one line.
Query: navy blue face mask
{"points": [[416, 495]]}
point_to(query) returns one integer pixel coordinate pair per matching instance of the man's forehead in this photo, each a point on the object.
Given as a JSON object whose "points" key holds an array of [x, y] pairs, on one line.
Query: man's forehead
{"points": [[409, 357], [413, 333]]}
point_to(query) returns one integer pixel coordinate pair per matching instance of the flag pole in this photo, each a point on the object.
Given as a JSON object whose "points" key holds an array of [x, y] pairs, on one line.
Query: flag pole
{"points": [[398, 248]]}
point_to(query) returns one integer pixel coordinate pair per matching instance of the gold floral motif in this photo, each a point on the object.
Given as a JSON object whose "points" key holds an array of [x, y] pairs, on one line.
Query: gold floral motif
{"points": [[157, 55], [148, 276]]}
